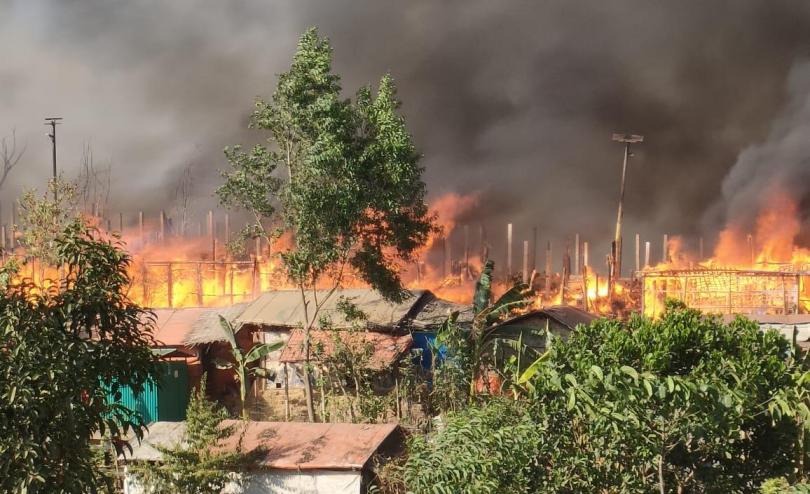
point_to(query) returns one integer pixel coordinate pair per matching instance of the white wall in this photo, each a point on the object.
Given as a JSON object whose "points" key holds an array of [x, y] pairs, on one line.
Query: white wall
{"points": [[283, 482]]}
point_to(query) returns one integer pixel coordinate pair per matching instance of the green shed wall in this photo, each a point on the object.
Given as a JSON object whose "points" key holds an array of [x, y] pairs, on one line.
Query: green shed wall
{"points": [[166, 402]]}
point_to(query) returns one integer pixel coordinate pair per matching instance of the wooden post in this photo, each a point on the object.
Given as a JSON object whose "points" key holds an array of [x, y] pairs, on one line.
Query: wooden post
{"points": [[140, 227], [646, 254], [638, 254], [3, 238], [750, 240], [212, 239], [483, 243], [701, 249], [465, 273], [145, 285], [230, 282], [576, 253], [534, 248], [255, 278], [509, 250], [199, 283], [121, 222], [13, 239], [585, 254], [169, 285], [525, 261], [548, 270], [227, 228], [585, 288], [286, 394], [162, 227], [665, 251]]}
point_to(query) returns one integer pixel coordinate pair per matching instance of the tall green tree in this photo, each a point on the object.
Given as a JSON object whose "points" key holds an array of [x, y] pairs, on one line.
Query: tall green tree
{"points": [[342, 177], [61, 351], [195, 466]]}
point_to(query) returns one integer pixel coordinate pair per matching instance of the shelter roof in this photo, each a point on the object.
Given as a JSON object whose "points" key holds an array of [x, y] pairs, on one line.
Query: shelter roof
{"points": [[283, 445], [284, 308], [386, 349]]}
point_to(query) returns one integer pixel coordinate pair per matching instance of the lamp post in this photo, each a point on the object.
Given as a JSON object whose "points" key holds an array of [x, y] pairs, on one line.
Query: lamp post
{"points": [[627, 140]]}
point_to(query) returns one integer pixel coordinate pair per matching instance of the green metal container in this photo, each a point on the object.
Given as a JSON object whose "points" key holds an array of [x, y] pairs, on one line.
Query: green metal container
{"points": [[164, 402]]}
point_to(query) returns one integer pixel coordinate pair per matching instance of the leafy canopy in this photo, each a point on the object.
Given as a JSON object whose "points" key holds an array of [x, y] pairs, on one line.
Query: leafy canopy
{"points": [[679, 404], [57, 351], [343, 177]]}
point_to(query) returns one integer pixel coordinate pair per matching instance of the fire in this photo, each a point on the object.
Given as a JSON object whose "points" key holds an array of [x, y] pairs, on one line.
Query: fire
{"points": [[764, 272]]}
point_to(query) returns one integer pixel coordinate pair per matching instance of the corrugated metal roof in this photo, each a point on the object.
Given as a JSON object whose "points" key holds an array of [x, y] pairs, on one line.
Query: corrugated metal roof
{"points": [[283, 445], [434, 312], [387, 348], [568, 316], [783, 323], [207, 329], [284, 308]]}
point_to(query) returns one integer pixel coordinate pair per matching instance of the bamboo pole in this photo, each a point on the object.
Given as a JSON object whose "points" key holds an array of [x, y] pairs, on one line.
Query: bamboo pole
{"points": [[509, 250], [576, 254], [701, 249], [638, 254], [211, 237], [525, 261], [199, 283], [534, 248], [162, 227], [665, 250], [548, 270], [585, 254], [170, 285], [140, 227], [465, 273], [646, 254]]}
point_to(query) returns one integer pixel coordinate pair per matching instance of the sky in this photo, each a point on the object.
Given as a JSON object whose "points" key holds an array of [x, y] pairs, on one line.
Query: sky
{"points": [[513, 102]]}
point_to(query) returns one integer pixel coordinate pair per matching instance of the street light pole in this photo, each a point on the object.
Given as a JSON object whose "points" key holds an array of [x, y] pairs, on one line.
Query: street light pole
{"points": [[53, 121], [627, 140]]}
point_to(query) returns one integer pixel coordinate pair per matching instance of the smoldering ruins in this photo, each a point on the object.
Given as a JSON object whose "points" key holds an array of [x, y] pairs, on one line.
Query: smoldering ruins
{"points": [[513, 110]]}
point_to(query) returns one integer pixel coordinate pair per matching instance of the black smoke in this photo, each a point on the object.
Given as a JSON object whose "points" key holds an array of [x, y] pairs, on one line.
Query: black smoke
{"points": [[514, 100]]}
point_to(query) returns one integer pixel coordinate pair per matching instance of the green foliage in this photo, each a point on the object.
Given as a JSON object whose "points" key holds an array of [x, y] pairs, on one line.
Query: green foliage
{"points": [[679, 404], [194, 466], [57, 349], [490, 449], [241, 363], [43, 219], [352, 194]]}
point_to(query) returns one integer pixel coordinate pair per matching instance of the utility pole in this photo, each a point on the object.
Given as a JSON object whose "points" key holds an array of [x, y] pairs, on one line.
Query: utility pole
{"points": [[627, 140], [53, 121]]}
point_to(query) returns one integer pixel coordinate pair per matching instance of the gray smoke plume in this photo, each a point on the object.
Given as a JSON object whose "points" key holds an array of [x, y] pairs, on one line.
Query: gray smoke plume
{"points": [[778, 165], [514, 100]]}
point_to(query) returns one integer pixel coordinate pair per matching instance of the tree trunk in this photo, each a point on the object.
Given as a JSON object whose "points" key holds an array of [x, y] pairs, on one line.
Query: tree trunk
{"points": [[243, 391], [661, 486], [307, 381]]}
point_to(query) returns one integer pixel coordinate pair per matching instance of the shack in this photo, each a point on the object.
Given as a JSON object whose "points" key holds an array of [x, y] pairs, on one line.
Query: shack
{"points": [[561, 320], [288, 457]]}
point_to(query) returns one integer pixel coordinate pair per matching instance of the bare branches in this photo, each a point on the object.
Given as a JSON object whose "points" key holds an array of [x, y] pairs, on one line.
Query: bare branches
{"points": [[10, 155]]}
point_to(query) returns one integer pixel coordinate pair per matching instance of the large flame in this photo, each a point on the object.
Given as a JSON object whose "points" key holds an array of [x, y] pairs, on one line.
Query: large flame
{"points": [[759, 272]]}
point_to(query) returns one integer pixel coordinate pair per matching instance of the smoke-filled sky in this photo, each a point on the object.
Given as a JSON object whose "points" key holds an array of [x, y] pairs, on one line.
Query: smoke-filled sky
{"points": [[514, 100]]}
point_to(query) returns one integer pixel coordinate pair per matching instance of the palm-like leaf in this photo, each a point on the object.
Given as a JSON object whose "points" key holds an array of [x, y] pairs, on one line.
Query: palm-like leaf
{"points": [[230, 333], [261, 350]]}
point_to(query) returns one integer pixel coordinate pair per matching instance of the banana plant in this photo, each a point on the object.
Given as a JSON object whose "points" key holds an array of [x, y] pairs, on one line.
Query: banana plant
{"points": [[241, 361]]}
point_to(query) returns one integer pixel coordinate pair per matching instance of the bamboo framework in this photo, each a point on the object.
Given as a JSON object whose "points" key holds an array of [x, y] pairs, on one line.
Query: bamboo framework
{"points": [[727, 291]]}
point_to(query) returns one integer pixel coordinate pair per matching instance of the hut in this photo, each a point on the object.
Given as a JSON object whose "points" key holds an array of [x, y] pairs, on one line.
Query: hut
{"points": [[288, 457]]}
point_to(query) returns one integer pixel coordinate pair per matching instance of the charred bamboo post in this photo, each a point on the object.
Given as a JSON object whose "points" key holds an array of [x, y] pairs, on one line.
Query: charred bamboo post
{"points": [[466, 274], [525, 261], [638, 254], [162, 227], [534, 248], [140, 227], [13, 238], [700, 249], [548, 271], [254, 279], [483, 243], [576, 254], [230, 281], [585, 288], [170, 285], [646, 254], [120, 222], [509, 250], [665, 250], [199, 283], [750, 240], [3, 239], [211, 237], [585, 255], [109, 225], [145, 284]]}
